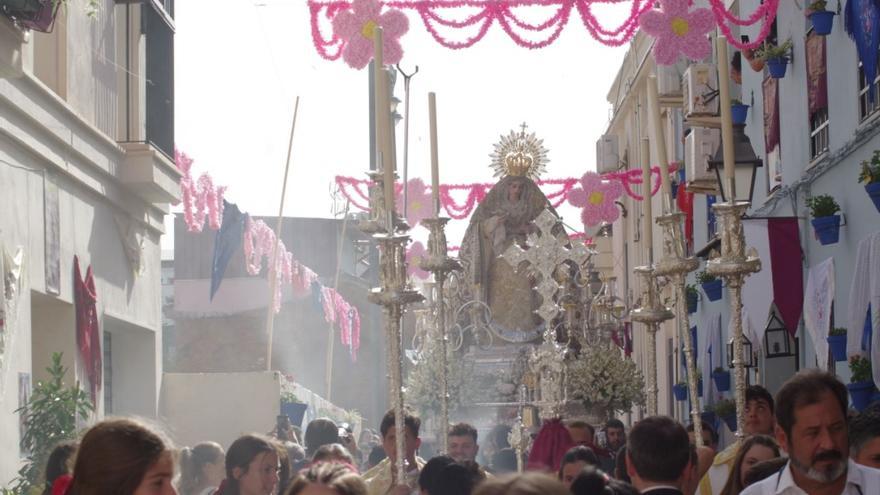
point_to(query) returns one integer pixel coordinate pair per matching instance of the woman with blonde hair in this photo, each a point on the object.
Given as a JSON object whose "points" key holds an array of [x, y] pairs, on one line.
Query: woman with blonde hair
{"points": [[328, 478]]}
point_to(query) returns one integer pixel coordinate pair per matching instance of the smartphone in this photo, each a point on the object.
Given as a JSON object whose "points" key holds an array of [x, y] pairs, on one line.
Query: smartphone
{"points": [[744, 38]]}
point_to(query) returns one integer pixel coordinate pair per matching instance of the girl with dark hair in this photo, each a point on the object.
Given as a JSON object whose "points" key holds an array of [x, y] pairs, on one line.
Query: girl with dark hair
{"points": [[575, 460], [201, 469], [122, 456], [592, 481], [59, 464], [251, 467], [755, 449]]}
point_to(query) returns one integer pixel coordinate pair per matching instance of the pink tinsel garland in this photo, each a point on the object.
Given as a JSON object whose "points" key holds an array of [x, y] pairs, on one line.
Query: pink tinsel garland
{"points": [[208, 199], [357, 190], [258, 243], [477, 23]]}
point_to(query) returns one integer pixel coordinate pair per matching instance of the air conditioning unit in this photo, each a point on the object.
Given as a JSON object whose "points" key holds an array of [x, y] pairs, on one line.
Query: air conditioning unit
{"points": [[668, 81], [607, 154], [700, 90], [700, 146]]}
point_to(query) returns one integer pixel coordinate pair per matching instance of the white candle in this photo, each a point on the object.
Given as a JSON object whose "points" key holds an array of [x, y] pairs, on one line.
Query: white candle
{"points": [[435, 166], [726, 120], [659, 139], [383, 117], [648, 222]]}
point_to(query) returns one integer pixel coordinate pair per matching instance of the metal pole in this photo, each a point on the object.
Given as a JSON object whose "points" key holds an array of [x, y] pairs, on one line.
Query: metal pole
{"points": [[273, 268], [328, 376]]}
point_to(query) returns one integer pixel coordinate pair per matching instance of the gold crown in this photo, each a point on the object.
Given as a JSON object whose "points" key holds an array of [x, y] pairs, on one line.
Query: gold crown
{"points": [[520, 155], [518, 164]]}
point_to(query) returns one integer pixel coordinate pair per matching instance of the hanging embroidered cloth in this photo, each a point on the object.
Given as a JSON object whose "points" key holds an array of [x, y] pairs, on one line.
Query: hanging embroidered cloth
{"points": [[11, 282], [817, 307], [863, 312], [861, 20], [88, 334], [817, 81], [771, 113]]}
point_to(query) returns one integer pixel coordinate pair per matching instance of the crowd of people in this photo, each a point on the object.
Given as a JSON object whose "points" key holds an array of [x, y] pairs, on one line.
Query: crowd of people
{"points": [[805, 440]]}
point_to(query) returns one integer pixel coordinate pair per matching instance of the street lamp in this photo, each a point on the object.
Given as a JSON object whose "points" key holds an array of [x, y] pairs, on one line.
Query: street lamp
{"points": [[748, 353], [747, 164], [777, 342]]}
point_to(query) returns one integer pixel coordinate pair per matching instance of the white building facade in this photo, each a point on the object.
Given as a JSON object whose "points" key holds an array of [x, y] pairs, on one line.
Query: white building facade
{"points": [[819, 151], [86, 171]]}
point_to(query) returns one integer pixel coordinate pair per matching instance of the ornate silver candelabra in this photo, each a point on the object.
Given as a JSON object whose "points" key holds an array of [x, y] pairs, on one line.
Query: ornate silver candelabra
{"points": [[734, 265], [651, 313], [393, 295], [676, 265], [440, 264]]}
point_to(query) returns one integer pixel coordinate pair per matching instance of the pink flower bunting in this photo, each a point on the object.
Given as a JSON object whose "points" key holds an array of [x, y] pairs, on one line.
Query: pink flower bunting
{"points": [[414, 256], [596, 199], [418, 200], [678, 30], [356, 27]]}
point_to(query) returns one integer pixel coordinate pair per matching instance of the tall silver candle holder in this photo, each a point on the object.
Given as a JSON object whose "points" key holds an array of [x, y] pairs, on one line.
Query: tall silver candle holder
{"points": [[734, 265], [440, 265], [651, 313], [393, 295], [676, 265]]}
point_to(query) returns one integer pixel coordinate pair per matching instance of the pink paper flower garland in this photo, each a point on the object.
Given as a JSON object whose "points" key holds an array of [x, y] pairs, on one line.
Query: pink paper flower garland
{"points": [[418, 199], [200, 198], [678, 30], [414, 255], [481, 14], [596, 199], [355, 28], [357, 190]]}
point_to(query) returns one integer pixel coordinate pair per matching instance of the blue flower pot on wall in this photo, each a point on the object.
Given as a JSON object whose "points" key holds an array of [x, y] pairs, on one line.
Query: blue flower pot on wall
{"points": [[712, 289], [777, 67], [709, 418], [722, 380], [823, 21], [827, 229], [680, 392], [873, 191], [837, 343], [730, 421], [739, 113], [860, 393]]}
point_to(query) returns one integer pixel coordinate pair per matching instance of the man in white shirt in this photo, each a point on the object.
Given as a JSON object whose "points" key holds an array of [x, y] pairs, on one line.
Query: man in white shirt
{"points": [[811, 425]]}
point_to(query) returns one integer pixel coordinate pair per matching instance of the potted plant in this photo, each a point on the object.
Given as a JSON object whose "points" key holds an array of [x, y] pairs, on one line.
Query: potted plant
{"points": [[776, 57], [39, 15], [50, 416], [726, 410], [861, 386], [721, 377], [821, 18], [738, 111], [837, 342], [755, 62], [870, 176], [711, 285], [825, 223], [691, 297], [680, 391]]}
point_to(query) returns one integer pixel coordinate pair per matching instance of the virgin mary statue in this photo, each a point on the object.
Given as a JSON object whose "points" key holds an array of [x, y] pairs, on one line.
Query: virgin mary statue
{"points": [[505, 217]]}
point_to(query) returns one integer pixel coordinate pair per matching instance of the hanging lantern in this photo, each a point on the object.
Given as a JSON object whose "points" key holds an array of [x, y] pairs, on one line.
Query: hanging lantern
{"points": [[777, 341], [748, 353]]}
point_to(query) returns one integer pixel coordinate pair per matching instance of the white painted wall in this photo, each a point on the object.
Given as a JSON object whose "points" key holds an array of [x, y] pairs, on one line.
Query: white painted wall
{"points": [[219, 407]]}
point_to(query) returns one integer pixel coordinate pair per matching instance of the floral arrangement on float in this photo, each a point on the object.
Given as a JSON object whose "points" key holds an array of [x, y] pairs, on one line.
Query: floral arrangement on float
{"points": [[605, 381]]}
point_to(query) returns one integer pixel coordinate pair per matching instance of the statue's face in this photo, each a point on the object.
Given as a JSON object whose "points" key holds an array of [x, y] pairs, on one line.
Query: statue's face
{"points": [[514, 191]]}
